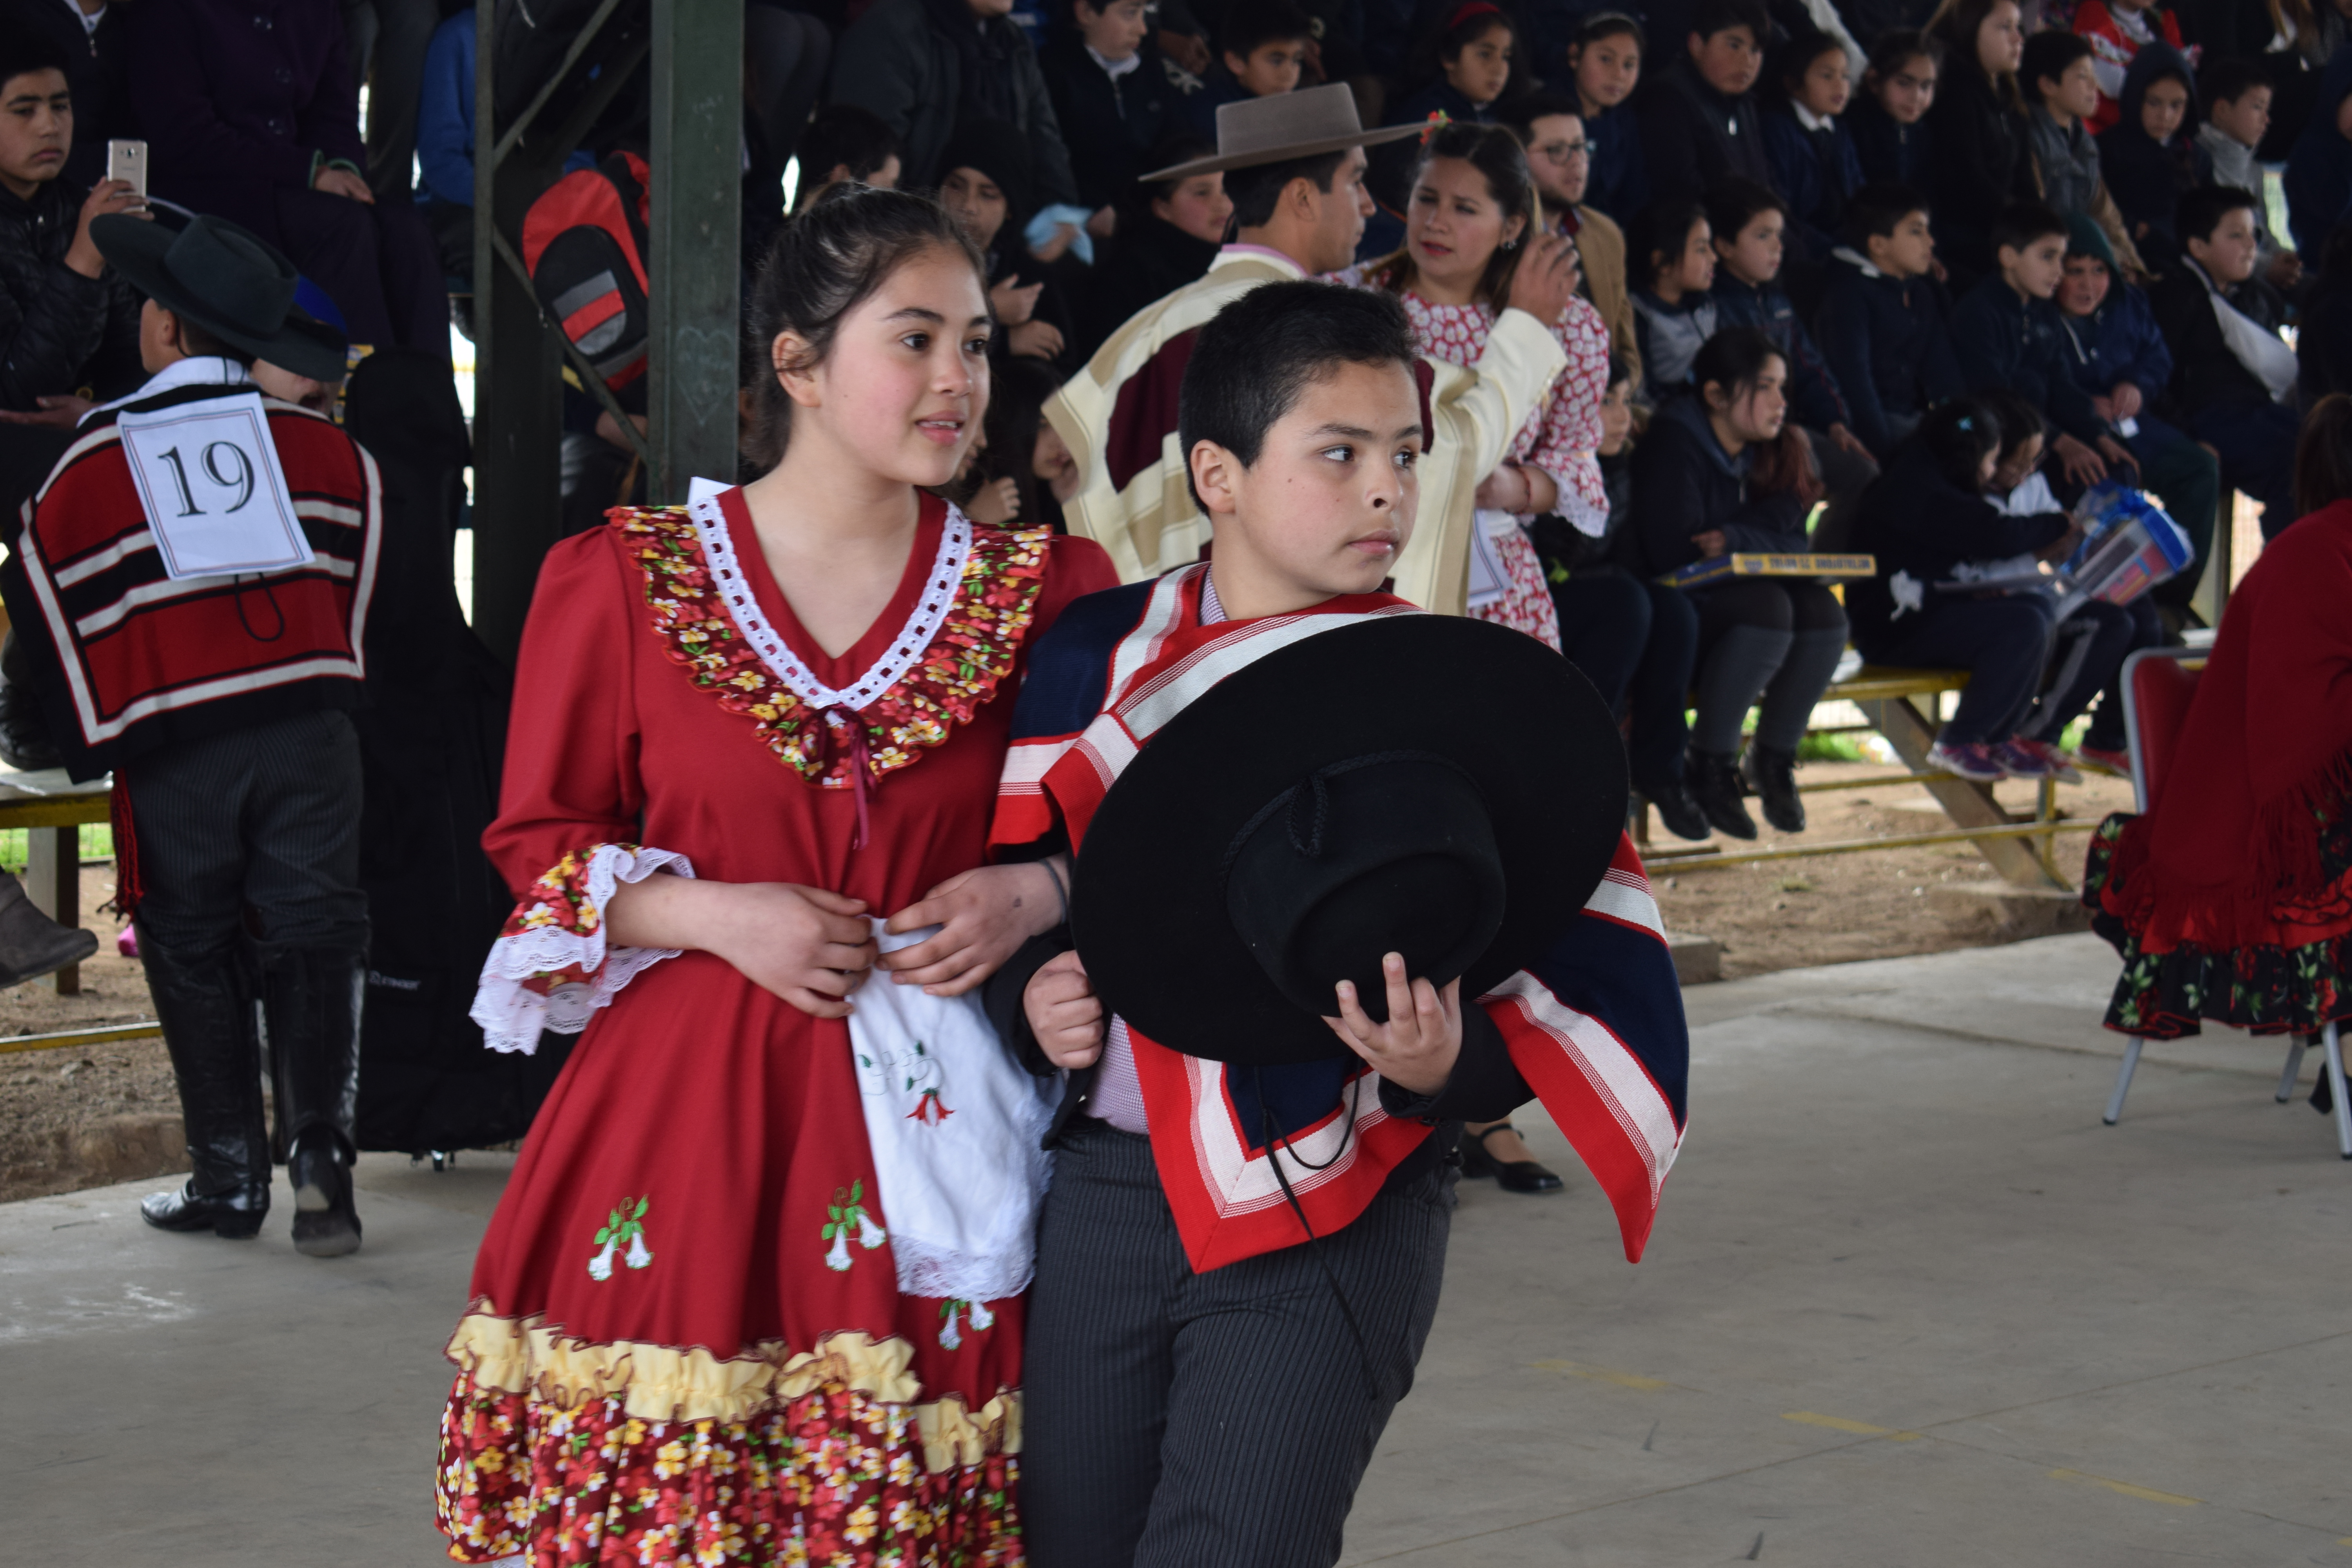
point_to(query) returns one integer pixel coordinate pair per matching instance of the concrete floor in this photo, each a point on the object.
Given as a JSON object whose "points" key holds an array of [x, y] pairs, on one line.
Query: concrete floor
{"points": [[1909, 1304]]}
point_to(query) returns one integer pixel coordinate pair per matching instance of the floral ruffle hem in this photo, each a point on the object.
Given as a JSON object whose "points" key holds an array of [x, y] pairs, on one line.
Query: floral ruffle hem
{"points": [[2262, 988]]}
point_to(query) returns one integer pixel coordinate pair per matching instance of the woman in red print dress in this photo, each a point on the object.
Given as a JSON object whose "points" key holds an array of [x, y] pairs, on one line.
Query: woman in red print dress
{"points": [[1471, 209], [741, 729]]}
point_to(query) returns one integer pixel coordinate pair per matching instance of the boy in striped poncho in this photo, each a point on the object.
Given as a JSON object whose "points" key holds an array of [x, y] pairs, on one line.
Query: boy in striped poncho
{"points": [[1202, 1387]]}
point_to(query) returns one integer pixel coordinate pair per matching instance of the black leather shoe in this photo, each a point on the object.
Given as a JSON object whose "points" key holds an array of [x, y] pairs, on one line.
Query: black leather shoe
{"points": [[1513, 1175], [311, 998], [233, 1216], [1772, 775], [1715, 784], [32, 944], [1675, 808], [208, 1028], [325, 1223]]}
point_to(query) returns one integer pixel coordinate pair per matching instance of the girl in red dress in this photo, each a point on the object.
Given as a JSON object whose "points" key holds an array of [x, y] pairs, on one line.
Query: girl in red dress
{"points": [[741, 729]]}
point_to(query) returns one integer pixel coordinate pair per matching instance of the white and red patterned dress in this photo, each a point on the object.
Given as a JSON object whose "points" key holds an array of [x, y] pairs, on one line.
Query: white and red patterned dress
{"points": [[1562, 438]]}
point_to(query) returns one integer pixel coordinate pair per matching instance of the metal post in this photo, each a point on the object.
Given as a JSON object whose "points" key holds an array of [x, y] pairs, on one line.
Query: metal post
{"points": [[53, 881], [696, 223]]}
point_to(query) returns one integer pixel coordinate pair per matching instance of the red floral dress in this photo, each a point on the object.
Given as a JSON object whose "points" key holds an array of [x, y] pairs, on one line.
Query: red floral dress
{"points": [[686, 1342]]}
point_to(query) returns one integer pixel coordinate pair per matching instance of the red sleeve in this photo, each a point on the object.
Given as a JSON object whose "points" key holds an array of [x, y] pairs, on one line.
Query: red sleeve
{"points": [[572, 778], [1074, 567]]}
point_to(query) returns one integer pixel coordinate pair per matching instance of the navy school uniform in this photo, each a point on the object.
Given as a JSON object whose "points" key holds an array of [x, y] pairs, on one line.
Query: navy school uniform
{"points": [[1889, 152], [1816, 172], [1620, 182], [1885, 340], [2007, 342], [1110, 123], [1920, 526]]}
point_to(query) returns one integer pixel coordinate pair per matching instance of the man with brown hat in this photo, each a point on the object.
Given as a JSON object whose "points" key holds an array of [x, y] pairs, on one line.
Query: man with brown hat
{"points": [[1294, 165]]}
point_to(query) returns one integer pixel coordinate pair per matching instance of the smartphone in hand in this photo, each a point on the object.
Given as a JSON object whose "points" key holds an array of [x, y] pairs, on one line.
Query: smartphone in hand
{"points": [[128, 161]]}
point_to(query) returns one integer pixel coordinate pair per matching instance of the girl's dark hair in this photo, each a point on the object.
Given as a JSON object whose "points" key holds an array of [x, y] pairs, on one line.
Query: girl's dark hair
{"points": [[1618, 370], [1599, 24], [1168, 152], [1733, 203], [2323, 455], [1735, 360], [1498, 156], [1798, 54], [1956, 24], [1018, 391], [1450, 32], [844, 136], [2019, 420], [1890, 52], [2336, 256], [1655, 239], [1958, 434], [824, 264]]}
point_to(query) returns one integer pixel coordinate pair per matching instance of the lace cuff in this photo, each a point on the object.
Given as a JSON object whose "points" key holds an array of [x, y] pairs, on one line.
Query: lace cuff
{"points": [[550, 968]]}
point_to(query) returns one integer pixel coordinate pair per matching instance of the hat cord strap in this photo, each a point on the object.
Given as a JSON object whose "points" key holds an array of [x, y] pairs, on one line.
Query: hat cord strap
{"points": [[1277, 1145]]}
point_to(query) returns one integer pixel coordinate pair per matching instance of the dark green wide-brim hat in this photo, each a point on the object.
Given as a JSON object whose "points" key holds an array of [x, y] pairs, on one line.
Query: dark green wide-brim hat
{"points": [[227, 280]]}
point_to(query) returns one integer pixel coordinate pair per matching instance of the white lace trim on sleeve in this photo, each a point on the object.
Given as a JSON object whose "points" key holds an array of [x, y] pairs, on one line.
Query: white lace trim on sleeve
{"points": [[512, 1012]]}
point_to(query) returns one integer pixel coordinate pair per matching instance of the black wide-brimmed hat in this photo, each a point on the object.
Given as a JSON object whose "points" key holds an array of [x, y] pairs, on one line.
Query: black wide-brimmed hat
{"points": [[1441, 787], [229, 281]]}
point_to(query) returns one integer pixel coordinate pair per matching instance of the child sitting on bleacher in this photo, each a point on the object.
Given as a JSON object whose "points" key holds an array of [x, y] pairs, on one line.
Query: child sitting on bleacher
{"points": [[1670, 250], [2093, 640], [1925, 517]]}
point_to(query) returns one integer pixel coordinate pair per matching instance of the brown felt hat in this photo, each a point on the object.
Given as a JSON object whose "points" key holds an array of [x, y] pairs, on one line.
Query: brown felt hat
{"points": [[1287, 125]]}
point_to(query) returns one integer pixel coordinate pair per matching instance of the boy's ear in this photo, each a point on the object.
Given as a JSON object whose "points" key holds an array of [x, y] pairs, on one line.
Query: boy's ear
{"points": [[1216, 475], [1236, 63]]}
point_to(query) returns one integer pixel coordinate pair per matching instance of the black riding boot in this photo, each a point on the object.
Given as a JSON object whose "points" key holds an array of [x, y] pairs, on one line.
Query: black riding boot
{"points": [[1772, 774], [1715, 784], [206, 1028], [311, 999]]}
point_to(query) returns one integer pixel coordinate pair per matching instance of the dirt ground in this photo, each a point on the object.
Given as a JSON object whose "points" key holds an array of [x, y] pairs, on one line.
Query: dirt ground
{"points": [[76, 1118], [1834, 909]]}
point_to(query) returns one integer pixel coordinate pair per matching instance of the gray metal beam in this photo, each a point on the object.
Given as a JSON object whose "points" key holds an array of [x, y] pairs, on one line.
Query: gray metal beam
{"points": [[696, 223], [518, 384]]}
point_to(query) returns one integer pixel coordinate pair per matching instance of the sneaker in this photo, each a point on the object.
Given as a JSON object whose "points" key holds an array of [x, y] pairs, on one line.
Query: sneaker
{"points": [[2117, 761], [1968, 758], [2020, 759], [2060, 767]]}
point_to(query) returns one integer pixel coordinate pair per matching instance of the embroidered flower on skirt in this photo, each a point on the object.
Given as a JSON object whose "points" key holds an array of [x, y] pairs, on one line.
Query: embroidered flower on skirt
{"points": [[974, 649], [834, 1477]]}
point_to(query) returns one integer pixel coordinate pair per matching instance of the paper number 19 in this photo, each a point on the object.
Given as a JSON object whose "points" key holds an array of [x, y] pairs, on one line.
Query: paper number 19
{"points": [[242, 482]]}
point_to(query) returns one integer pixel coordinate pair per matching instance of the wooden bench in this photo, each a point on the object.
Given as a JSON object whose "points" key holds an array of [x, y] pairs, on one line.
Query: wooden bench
{"points": [[2018, 850], [52, 809]]}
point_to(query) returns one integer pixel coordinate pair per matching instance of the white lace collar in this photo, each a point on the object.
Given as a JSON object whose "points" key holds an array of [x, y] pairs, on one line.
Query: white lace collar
{"points": [[930, 610]]}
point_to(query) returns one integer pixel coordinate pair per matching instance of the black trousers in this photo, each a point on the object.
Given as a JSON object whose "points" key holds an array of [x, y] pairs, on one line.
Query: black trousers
{"points": [[261, 824], [1175, 1419]]}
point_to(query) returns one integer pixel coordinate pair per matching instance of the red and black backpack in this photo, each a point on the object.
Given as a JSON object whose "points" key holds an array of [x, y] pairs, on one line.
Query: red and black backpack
{"points": [[584, 243]]}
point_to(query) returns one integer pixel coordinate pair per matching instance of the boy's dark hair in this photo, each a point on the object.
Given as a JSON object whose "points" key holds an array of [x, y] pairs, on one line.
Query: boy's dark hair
{"points": [[1250, 26], [1890, 52], [1521, 113], [1255, 358], [824, 264], [1655, 237], [2049, 55], [2022, 223], [196, 340], [1599, 24], [2202, 210], [1732, 203], [24, 51], [844, 136], [2231, 78], [1875, 210], [1256, 190], [2323, 455], [2020, 417], [1958, 434], [1181, 147], [1712, 17]]}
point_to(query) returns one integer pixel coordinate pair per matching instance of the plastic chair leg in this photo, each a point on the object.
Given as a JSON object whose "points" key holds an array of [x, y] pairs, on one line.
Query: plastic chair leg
{"points": [[2334, 1044], [2294, 1046], [2123, 1081]]}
